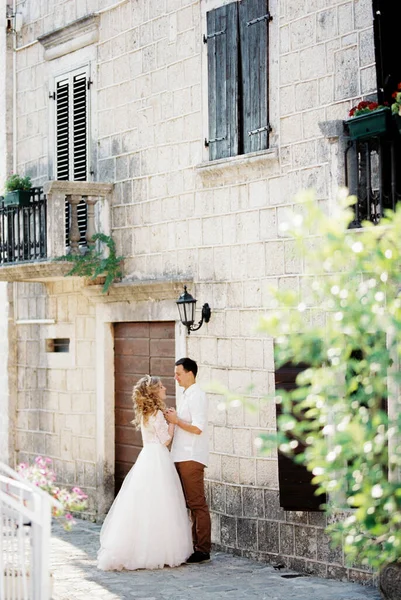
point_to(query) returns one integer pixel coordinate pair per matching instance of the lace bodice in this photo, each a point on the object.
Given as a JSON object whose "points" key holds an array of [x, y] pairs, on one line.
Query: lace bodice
{"points": [[156, 430]]}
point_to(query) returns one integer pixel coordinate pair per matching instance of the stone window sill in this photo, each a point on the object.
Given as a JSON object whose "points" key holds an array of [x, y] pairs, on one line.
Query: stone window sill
{"points": [[253, 161]]}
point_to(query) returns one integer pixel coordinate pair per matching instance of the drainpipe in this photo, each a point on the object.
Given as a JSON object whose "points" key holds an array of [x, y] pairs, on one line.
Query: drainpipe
{"points": [[14, 93]]}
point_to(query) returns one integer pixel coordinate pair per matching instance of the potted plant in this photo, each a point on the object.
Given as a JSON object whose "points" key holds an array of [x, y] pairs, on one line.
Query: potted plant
{"points": [[367, 119], [17, 191], [94, 263], [396, 107]]}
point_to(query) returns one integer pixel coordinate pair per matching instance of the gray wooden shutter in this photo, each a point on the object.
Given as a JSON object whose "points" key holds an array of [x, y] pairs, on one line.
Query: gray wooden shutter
{"points": [[222, 54], [254, 35], [62, 129]]}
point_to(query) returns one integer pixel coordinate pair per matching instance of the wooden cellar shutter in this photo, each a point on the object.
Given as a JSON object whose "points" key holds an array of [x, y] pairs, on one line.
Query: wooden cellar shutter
{"points": [[254, 32], [296, 490], [222, 53]]}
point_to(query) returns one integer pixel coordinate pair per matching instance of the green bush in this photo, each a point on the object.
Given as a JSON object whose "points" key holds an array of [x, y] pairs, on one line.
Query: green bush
{"points": [[345, 323]]}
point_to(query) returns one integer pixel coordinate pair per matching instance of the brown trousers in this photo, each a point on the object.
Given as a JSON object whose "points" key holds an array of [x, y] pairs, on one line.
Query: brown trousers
{"points": [[191, 474]]}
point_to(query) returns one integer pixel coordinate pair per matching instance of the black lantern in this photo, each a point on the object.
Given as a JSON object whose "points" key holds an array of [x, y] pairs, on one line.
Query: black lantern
{"points": [[186, 307]]}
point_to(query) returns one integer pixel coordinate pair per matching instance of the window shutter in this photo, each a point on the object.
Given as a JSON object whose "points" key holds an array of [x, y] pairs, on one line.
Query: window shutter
{"points": [[222, 53], [254, 35], [296, 490], [72, 126], [72, 139], [80, 84], [62, 129]]}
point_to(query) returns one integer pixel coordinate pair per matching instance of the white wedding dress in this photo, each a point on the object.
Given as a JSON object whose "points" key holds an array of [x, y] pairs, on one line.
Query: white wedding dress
{"points": [[148, 525]]}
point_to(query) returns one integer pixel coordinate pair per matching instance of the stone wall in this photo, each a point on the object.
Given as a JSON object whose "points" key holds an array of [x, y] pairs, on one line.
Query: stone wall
{"points": [[56, 399], [175, 216]]}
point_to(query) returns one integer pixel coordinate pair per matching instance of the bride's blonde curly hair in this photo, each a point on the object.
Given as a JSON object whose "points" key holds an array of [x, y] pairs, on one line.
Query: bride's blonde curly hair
{"points": [[146, 399]]}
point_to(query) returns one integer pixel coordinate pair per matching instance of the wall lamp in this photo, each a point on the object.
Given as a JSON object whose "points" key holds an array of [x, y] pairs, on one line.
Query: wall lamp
{"points": [[186, 307]]}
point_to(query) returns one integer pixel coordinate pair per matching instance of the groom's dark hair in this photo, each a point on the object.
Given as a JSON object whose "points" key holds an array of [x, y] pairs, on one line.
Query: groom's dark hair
{"points": [[188, 365]]}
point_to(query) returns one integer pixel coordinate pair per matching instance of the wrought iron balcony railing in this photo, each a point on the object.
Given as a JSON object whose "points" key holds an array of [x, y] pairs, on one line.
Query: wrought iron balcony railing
{"points": [[61, 217], [23, 230], [373, 175]]}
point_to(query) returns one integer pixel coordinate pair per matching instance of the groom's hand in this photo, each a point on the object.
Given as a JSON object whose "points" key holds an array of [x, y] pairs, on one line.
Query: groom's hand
{"points": [[171, 416]]}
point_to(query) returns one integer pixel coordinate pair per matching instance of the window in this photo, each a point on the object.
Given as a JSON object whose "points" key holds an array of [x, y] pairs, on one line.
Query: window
{"points": [[237, 55], [71, 140], [71, 97], [58, 345]]}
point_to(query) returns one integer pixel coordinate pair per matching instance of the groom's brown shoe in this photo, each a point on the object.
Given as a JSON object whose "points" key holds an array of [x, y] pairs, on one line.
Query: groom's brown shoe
{"points": [[198, 557]]}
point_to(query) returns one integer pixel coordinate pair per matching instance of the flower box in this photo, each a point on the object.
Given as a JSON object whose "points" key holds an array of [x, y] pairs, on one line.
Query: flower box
{"points": [[17, 198], [369, 124]]}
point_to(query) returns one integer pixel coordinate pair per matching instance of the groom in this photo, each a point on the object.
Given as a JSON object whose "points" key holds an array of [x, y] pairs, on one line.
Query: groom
{"points": [[190, 453]]}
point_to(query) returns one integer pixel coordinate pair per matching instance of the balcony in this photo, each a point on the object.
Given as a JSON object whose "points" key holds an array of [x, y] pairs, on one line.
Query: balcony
{"points": [[60, 219], [373, 174]]}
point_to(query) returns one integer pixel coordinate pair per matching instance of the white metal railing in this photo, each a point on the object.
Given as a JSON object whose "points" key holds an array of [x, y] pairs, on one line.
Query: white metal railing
{"points": [[25, 526]]}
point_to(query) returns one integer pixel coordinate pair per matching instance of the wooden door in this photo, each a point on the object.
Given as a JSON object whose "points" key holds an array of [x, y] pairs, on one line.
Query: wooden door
{"points": [[139, 349]]}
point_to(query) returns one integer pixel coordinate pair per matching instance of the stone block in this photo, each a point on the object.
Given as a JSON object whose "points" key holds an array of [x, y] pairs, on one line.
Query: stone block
{"points": [[327, 24], [274, 258], [287, 543], [90, 474], [268, 537], [234, 500], [228, 531], [87, 449], [247, 475], [254, 354], [242, 442], [266, 472], [248, 226], [247, 534], [289, 68], [346, 73], [214, 470], [302, 32], [368, 80], [255, 260], [313, 62], [326, 552], [52, 444], [267, 224], [209, 351], [253, 502], [218, 497], [66, 444], [230, 472], [216, 528], [223, 440], [291, 127], [258, 194], [206, 266], [223, 352], [292, 257], [273, 510], [345, 18], [46, 421], [305, 542], [222, 262]]}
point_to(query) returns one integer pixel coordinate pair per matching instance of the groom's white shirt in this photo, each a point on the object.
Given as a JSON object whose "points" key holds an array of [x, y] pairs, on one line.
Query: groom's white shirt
{"points": [[192, 408]]}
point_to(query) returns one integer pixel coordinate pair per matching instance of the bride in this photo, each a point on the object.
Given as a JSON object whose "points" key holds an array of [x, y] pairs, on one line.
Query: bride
{"points": [[148, 525]]}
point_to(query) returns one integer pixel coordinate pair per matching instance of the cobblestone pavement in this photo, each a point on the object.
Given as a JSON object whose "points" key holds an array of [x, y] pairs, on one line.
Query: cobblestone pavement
{"points": [[76, 577]]}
